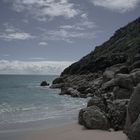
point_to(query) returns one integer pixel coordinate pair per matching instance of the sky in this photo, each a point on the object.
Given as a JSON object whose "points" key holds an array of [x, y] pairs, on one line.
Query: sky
{"points": [[46, 36]]}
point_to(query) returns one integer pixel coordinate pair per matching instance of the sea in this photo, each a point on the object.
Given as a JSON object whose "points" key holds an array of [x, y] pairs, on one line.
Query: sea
{"points": [[23, 100]]}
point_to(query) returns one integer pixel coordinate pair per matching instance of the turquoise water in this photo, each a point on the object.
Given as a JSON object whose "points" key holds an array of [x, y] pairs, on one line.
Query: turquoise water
{"points": [[23, 100]]}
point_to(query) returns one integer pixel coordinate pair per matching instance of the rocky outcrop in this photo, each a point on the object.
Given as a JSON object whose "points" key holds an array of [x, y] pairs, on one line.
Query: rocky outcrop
{"points": [[110, 75], [93, 118], [44, 83]]}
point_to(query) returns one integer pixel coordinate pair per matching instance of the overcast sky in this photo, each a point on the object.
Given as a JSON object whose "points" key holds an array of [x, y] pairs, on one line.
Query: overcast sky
{"points": [[45, 36]]}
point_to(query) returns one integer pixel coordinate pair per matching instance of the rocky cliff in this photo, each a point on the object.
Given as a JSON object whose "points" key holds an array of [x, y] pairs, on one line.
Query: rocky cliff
{"points": [[110, 75], [121, 47]]}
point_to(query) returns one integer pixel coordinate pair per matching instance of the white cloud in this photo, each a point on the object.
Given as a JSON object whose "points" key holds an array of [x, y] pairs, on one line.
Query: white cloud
{"points": [[117, 5], [82, 25], [68, 36], [41, 9], [43, 43], [11, 33], [32, 67], [15, 36], [80, 30]]}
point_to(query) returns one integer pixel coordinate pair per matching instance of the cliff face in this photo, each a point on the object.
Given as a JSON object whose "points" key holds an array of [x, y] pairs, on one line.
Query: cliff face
{"points": [[120, 48], [110, 75]]}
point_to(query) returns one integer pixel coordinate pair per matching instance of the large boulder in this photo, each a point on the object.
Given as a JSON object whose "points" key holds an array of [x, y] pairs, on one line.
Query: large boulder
{"points": [[111, 71], [124, 81], [93, 118], [134, 132], [133, 110]]}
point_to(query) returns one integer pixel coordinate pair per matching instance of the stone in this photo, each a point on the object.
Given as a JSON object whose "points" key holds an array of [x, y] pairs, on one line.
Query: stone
{"points": [[44, 83], [124, 81], [110, 72], [93, 118]]}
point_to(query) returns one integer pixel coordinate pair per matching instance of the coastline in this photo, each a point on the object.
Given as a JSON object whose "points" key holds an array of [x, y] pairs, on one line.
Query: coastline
{"points": [[75, 132], [58, 129], [17, 131]]}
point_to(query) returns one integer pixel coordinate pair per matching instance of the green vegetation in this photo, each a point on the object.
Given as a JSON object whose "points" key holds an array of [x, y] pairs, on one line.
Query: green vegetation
{"points": [[120, 48]]}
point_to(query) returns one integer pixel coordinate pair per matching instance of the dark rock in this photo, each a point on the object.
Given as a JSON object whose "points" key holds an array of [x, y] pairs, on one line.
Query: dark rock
{"points": [[44, 83], [70, 91], [133, 110], [109, 85], [135, 74], [117, 114], [121, 93], [135, 65], [123, 69], [93, 118], [136, 57], [97, 102], [61, 85], [58, 80], [124, 81], [134, 132], [108, 75], [111, 71], [82, 89]]}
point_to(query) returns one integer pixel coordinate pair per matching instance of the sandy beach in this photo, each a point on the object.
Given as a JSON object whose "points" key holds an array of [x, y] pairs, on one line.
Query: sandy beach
{"points": [[76, 132]]}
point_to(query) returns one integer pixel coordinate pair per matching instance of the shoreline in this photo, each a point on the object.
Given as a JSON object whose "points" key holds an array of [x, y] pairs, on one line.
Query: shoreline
{"points": [[16, 131], [62, 130], [76, 132]]}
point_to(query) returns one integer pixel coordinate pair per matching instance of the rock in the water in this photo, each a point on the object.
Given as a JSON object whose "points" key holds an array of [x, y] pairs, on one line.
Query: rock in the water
{"points": [[133, 110], [93, 118], [134, 132], [121, 93], [44, 83]]}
